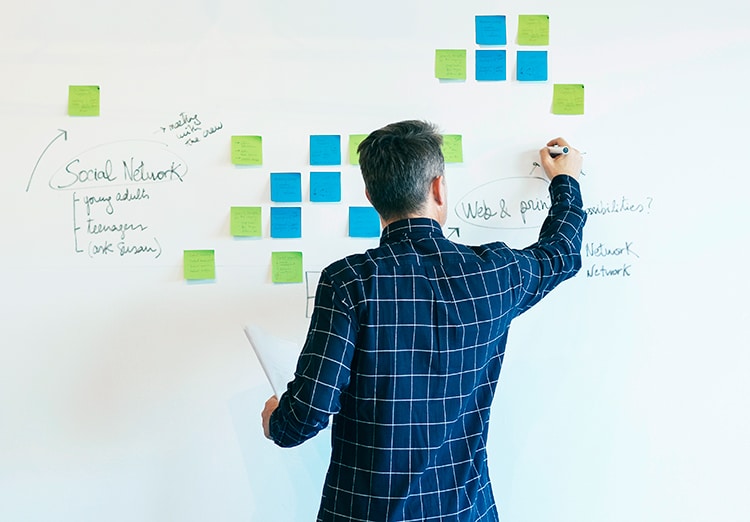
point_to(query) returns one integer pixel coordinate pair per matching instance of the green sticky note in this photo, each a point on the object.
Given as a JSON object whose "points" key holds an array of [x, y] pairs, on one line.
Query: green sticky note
{"points": [[450, 64], [567, 98], [453, 149], [199, 264], [533, 29], [83, 100], [245, 221], [247, 150], [286, 267], [354, 141]]}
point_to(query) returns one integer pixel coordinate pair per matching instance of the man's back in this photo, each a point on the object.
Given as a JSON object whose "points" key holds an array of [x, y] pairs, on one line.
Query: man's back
{"points": [[433, 318], [405, 346], [406, 341]]}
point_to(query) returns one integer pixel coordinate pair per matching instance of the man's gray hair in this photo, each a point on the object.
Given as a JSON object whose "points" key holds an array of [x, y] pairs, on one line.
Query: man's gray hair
{"points": [[398, 163]]}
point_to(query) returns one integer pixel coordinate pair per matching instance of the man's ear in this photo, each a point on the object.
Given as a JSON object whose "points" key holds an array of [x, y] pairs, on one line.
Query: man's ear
{"points": [[438, 190], [367, 195]]}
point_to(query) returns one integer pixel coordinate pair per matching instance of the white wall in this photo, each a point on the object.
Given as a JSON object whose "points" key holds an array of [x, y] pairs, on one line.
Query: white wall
{"points": [[127, 393]]}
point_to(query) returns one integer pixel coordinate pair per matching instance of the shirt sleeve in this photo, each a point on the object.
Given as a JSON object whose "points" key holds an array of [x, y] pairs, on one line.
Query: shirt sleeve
{"points": [[556, 256], [323, 370]]}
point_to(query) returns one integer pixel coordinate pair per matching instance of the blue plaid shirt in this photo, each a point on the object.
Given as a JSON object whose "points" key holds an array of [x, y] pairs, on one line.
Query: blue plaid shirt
{"points": [[404, 349]]}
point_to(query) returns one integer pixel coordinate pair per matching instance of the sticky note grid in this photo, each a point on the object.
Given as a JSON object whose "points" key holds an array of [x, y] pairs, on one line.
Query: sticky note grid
{"points": [[492, 64]]}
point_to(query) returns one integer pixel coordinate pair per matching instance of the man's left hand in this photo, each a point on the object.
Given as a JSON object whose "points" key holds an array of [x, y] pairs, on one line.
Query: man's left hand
{"points": [[271, 404]]}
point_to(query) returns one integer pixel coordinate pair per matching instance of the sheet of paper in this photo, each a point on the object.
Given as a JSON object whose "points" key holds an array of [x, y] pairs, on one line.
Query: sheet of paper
{"points": [[83, 100], [199, 265], [286, 222], [450, 64], [567, 98], [247, 150], [531, 66], [325, 149], [490, 30], [278, 357], [246, 221], [363, 222], [490, 65], [533, 29], [286, 267], [286, 187], [354, 141], [453, 149], [325, 187]]}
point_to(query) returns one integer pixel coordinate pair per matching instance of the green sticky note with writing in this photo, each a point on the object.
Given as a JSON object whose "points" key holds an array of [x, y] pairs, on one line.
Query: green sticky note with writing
{"points": [[83, 100], [533, 29], [245, 221], [247, 150], [450, 64], [567, 98], [453, 149], [199, 265], [354, 141], [286, 267]]}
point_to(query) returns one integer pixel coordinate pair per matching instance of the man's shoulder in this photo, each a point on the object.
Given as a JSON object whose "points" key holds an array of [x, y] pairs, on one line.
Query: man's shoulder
{"points": [[443, 252], [349, 266]]}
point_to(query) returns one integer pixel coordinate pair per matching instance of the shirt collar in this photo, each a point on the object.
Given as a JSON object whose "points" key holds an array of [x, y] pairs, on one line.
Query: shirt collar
{"points": [[411, 228]]}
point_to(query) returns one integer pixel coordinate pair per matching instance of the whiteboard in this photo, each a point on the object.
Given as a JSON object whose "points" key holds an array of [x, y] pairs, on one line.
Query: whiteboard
{"points": [[130, 393]]}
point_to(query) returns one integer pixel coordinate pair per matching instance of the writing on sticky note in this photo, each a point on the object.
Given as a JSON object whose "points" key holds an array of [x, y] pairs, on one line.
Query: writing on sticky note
{"points": [[325, 187], [363, 222], [247, 150], [533, 29], [490, 30], [450, 64], [453, 148], [199, 265], [286, 222], [245, 221], [286, 187], [286, 267], [83, 100], [491, 65], [531, 66], [325, 150], [354, 141], [567, 98]]}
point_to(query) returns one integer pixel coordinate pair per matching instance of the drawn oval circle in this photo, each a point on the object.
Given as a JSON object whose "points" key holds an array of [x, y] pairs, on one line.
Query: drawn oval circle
{"points": [[509, 203]]}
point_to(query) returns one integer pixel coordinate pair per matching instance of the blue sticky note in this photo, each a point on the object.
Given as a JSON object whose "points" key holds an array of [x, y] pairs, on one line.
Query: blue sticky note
{"points": [[490, 30], [286, 222], [491, 65], [286, 187], [325, 187], [363, 222], [325, 150], [531, 66]]}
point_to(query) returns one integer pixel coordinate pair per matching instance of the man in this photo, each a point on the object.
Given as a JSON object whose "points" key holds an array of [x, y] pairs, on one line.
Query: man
{"points": [[406, 340]]}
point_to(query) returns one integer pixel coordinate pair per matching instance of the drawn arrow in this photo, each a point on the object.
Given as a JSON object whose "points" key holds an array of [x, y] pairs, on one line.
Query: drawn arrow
{"points": [[454, 230], [64, 135]]}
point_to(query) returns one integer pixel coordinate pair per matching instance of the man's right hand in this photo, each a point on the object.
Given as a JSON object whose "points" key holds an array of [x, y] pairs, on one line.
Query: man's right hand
{"points": [[569, 163]]}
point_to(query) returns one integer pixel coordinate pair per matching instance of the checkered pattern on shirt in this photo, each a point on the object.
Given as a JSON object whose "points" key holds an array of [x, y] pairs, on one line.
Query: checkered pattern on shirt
{"points": [[405, 347]]}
